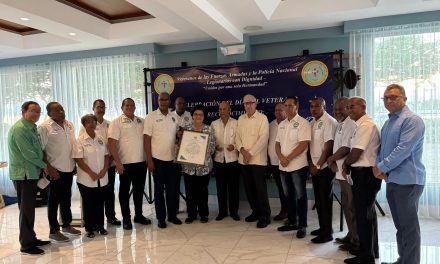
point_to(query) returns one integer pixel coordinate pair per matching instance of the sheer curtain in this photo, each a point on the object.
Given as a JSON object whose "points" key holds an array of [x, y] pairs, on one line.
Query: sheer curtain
{"points": [[408, 55], [73, 83]]}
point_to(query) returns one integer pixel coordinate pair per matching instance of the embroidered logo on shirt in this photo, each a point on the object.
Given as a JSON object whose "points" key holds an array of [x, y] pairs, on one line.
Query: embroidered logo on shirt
{"points": [[138, 120], [174, 120], [159, 120], [100, 142], [320, 124], [295, 125]]}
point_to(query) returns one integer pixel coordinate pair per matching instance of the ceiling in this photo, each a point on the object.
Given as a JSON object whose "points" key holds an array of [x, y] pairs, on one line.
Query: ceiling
{"points": [[38, 27]]}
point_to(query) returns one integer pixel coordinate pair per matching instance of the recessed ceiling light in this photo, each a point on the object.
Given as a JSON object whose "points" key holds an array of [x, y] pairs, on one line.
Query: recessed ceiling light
{"points": [[253, 28], [72, 34], [24, 19]]}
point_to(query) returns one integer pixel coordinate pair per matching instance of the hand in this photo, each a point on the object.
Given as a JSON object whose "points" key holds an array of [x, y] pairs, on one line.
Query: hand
{"points": [[246, 156], [120, 168], [102, 173], [218, 148], [46, 171], [53, 173], [333, 167], [376, 171], [284, 161], [150, 166], [382, 176], [345, 172], [313, 170], [330, 160], [230, 147], [94, 176]]}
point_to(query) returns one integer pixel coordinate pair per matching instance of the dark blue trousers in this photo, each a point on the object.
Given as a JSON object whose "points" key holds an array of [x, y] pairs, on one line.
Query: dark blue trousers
{"points": [[294, 186], [60, 194], [404, 203], [166, 181]]}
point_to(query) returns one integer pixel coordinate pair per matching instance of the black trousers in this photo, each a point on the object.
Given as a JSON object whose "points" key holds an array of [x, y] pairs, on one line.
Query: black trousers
{"points": [[60, 194], [165, 188], [256, 190], [365, 188], [275, 171], [323, 191], [197, 195], [134, 176], [26, 191], [227, 179], [93, 207], [179, 178], [109, 194]]}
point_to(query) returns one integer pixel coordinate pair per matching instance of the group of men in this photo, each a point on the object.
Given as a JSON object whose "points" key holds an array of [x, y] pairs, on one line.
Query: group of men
{"points": [[348, 147]]}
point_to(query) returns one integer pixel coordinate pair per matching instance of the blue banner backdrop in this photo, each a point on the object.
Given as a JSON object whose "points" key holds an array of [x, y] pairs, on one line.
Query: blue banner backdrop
{"points": [[270, 81]]}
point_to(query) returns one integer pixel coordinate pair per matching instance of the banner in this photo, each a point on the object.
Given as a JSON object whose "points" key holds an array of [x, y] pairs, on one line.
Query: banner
{"points": [[270, 81]]}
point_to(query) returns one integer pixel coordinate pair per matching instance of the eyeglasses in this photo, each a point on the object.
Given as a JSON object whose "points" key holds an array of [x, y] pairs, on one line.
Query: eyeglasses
{"points": [[248, 103], [391, 97]]}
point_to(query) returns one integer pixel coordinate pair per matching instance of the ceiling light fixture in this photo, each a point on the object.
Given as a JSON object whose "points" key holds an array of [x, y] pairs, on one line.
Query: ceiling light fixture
{"points": [[24, 19], [72, 34]]}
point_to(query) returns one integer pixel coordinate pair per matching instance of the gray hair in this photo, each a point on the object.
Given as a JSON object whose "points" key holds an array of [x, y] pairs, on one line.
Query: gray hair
{"points": [[396, 86]]}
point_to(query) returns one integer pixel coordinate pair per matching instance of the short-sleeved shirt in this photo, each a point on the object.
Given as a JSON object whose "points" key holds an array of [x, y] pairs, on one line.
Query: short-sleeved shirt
{"points": [[343, 134], [323, 130], [130, 137], [93, 152], [58, 142], [25, 153], [162, 130], [183, 120], [366, 137], [290, 133], [225, 136], [273, 129]]}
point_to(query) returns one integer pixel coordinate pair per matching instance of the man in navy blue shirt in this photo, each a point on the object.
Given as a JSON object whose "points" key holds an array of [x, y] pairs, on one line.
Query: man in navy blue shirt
{"points": [[400, 163]]}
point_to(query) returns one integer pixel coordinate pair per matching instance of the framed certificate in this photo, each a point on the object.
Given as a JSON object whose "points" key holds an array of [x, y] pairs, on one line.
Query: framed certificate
{"points": [[193, 147]]}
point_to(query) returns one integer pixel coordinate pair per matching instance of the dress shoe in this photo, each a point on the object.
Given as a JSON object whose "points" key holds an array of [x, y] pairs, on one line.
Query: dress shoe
{"points": [[41, 243], [287, 227], [102, 232], [343, 240], [282, 215], [354, 251], [355, 260], [90, 234], [126, 224], [203, 219], [235, 217], [316, 232], [348, 247], [251, 218], [142, 220], [220, 217], [32, 251], [114, 221], [262, 224], [175, 221], [189, 220], [321, 239], [161, 224], [301, 233]]}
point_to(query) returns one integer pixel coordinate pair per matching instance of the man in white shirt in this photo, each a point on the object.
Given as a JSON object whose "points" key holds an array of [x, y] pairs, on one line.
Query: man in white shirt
{"points": [[359, 164], [251, 140], [159, 139], [341, 147], [293, 137], [125, 143], [321, 146], [225, 163], [273, 159], [183, 119], [109, 193], [57, 140]]}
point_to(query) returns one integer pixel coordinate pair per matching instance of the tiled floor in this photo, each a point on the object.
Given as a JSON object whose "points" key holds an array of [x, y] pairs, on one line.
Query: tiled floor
{"points": [[226, 241]]}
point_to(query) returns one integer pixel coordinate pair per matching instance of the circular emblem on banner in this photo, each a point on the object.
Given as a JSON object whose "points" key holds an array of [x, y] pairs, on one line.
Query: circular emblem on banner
{"points": [[164, 83], [314, 73]]}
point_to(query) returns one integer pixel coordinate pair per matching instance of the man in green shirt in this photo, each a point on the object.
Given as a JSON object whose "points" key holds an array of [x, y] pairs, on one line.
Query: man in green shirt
{"points": [[26, 163]]}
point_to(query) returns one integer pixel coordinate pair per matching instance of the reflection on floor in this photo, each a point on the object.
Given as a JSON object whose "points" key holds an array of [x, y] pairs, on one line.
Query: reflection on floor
{"points": [[225, 241]]}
